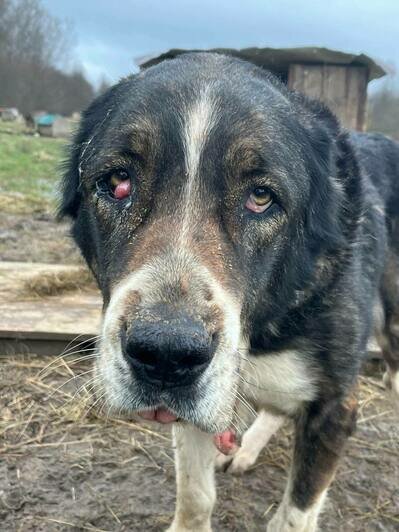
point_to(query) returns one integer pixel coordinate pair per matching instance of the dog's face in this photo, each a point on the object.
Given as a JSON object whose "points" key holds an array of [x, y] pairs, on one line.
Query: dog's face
{"points": [[195, 189]]}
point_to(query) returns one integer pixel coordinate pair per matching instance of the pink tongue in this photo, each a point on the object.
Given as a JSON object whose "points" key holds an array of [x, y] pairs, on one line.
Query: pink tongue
{"points": [[160, 414], [226, 442]]}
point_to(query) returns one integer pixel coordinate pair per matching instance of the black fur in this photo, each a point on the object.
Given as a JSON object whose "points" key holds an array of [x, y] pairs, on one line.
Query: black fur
{"points": [[343, 229]]}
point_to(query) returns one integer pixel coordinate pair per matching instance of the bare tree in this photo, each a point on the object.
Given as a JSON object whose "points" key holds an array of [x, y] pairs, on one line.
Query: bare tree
{"points": [[104, 86], [33, 46], [384, 112], [34, 35]]}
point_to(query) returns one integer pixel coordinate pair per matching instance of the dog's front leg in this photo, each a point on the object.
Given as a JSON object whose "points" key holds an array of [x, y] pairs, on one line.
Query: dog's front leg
{"points": [[321, 434], [196, 494]]}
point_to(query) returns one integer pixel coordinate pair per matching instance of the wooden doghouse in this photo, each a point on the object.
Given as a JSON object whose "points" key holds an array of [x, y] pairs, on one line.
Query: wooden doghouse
{"points": [[336, 78]]}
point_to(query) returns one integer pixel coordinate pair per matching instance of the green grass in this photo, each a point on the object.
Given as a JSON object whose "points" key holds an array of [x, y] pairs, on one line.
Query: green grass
{"points": [[28, 169]]}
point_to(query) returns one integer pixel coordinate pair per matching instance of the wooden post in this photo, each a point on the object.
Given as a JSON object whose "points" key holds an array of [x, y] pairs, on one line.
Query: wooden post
{"points": [[342, 88]]}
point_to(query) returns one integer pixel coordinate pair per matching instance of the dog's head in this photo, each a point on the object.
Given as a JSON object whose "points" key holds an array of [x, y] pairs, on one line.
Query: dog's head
{"points": [[204, 195]]}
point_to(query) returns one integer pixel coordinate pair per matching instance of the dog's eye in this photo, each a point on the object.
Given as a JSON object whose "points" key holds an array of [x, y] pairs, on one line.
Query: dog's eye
{"points": [[117, 184], [259, 200]]}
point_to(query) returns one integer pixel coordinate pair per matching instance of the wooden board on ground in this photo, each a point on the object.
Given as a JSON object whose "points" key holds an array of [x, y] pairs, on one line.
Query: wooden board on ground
{"points": [[30, 319]]}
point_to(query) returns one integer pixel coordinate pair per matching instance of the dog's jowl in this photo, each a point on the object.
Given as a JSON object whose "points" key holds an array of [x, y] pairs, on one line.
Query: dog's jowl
{"points": [[241, 240]]}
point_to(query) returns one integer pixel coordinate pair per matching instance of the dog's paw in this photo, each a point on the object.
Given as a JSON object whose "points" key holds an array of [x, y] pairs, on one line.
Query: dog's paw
{"points": [[291, 519], [236, 464]]}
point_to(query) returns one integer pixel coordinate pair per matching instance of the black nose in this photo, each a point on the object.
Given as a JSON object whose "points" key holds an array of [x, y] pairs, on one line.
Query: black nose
{"points": [[168, 352]]}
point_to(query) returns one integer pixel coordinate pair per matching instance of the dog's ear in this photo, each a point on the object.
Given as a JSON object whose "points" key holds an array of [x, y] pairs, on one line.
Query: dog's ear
{"points": [[93, 117], [332, 167], [69, 187]]}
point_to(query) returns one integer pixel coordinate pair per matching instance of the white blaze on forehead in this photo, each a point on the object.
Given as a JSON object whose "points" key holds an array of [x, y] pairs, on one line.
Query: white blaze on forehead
{"points": [[199, 119], [198, 122]]}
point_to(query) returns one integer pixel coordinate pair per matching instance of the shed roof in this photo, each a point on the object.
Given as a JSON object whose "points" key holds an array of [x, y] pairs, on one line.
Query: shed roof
{"points": [[47, 119], [279, 59]]}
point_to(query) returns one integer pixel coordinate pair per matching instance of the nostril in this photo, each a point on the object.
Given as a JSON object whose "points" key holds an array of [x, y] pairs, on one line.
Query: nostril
{"points": [[191, 361], [147, 358]]}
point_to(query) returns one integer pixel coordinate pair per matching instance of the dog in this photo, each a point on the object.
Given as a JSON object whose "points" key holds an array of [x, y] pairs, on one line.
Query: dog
{"points": [[243, 243]]}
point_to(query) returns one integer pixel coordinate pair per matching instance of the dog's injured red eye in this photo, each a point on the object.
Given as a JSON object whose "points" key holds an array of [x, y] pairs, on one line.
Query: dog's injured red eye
{"points": [[120, 185], [259, 200]]}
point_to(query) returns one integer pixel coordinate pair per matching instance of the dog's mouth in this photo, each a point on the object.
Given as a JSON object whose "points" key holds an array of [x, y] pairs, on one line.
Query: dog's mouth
{"points": [[225, 442], [161, 415]]}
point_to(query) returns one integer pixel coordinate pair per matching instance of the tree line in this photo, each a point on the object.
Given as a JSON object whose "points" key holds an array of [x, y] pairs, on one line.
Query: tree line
{"points": [[33, 44], [383, 112]]}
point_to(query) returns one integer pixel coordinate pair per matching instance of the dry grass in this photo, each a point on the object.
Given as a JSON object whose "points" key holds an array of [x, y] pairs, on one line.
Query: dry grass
{"points": [[59, 282], [52, 396], [54, 391]]}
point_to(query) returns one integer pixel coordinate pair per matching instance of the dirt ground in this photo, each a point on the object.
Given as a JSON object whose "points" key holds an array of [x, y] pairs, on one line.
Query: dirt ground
{"points": [[35, 237], [65, 467]]}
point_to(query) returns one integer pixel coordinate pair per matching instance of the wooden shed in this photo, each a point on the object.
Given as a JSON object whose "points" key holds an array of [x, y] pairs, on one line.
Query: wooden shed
{"points": [[52, 125], [336, 78]]}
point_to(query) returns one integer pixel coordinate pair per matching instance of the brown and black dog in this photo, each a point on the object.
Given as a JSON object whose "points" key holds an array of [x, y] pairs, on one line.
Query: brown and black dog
{"points": [[242, 242]]}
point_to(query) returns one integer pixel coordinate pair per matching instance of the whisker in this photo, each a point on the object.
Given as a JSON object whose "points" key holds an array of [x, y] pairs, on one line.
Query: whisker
{"points": [[271, 390], [72, 378], [67, 364], [66, 354], [71, 345], [245, 403], [95, 403], [80, 389]]}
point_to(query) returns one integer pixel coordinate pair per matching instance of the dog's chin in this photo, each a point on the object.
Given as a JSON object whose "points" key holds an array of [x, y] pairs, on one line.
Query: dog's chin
{"points": [[208, 407], [144, 404]]}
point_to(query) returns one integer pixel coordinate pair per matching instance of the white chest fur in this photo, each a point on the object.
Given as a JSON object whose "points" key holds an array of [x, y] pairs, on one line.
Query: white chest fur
{"points": [[280, 381]]}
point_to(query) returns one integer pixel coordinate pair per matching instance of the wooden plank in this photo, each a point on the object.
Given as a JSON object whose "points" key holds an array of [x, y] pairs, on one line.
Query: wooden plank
{"points": [[334, 94], [295, 77], [313, 82], [342, 88], [306, 79], [49, 347], [356, 87], [64, 316], [50, 325], [28, 320]]}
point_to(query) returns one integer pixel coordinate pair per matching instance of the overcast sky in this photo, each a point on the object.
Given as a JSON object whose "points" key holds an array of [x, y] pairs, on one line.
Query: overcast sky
{"points": [[110, 34]]}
